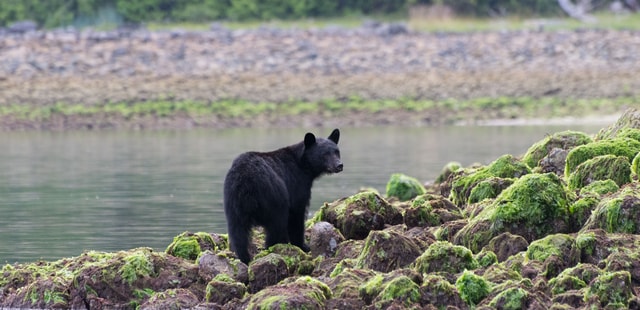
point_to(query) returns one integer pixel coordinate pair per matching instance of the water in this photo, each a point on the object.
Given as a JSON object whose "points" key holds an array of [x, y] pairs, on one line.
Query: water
{"points": [[65, 193]]}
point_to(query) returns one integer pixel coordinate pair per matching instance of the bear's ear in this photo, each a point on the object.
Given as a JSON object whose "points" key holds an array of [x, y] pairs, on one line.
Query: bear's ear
{"points": [[309, 140], [335, 136]]}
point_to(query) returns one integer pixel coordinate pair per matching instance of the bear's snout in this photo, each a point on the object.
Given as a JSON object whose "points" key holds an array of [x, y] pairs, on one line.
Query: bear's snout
{"points": [[338, 168]]}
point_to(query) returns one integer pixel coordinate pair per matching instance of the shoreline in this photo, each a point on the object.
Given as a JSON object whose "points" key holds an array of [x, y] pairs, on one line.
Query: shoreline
{"points": [[87, 70]]}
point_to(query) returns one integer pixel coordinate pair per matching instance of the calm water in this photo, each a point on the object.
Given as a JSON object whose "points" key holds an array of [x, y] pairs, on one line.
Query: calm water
{"points": [[64, 193]]}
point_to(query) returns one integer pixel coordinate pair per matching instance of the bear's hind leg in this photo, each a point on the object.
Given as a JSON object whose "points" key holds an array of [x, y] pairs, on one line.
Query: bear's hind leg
{"points": [[239, 241], [276, 232]]}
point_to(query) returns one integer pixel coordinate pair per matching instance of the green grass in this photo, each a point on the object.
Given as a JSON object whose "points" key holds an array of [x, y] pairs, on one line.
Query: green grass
{"points": [[604, 20], [501, 107]]}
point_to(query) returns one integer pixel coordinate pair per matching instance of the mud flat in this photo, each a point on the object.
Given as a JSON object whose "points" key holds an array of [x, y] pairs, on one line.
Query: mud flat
{"points": [[555, 228]]}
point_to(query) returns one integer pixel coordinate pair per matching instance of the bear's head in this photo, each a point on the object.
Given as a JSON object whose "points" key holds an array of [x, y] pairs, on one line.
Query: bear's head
{"points": [[322, 155]]}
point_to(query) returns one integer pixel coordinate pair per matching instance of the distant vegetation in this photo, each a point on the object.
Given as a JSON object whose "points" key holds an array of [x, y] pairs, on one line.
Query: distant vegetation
{"points": [[57, 13]]}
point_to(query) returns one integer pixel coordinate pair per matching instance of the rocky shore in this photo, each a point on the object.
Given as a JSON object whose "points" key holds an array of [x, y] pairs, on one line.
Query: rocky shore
{"points": [[556, 228], [373, 61]]}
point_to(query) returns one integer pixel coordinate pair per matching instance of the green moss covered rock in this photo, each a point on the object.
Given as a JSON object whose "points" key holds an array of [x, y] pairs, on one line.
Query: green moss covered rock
{"points": [[599, 187], [357, 215], [385, 251], [565, 140], [189, 245], [611, 289], [222, 289], [404, 187], [447, 171], [617, 212], [534, 206], [293, 293], [574, 278], [489, 188], [430, 210], [472, 288], [506, 166], [556, 251], [628, 120], [635, 167], [600, 168], [619, 147], [438, 292], [442, 256]]}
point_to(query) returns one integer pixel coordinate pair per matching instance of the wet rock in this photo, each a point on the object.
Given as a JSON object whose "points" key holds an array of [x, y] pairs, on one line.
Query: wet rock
{"points": [[488, 188], [295, 293], [554, 162], [324, 239], [534, 206], [385, 251], [560, 141], [557, 252], [404, 187], [383, 289], [447, 171], [173, 299], [267, 270], [438, 292], [574, 278], [618, 212], [442, 256], [430, 210], [211, 265], [472, 288], [189, 245], [629, 119], [346, 282], [506, 166], [611, 289], [357, 215], [619, 147], [222, 289], [600, 168], [506, 244]]}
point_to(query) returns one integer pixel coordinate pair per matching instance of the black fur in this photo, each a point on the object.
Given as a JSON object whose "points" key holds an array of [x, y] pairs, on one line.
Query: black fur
{"points": [[273, 190]]}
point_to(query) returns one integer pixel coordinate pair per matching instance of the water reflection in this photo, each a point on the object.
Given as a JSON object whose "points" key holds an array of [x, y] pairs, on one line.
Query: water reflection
{"points": [[64, 193]]}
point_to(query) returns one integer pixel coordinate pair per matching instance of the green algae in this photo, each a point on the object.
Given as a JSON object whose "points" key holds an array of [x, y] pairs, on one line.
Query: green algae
{"points": [[574, 278], [387, 250], [357, 215], [443, 256], [635, 167], [189, 245], [600, 187], [401, 288], [447, 171], [472, 288], [534, 206], [486, 258], [611, 288], [137, 264], [560, 245], [222, 288], [512, 298], [600, 168], [629, 119], [617, 213], [489, 188], [619, 147], [506, 166], [565, 140], [404, 187]]}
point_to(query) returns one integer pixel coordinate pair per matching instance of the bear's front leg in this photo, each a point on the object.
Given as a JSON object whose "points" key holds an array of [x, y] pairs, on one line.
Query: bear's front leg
{"points": [[296, 230]]}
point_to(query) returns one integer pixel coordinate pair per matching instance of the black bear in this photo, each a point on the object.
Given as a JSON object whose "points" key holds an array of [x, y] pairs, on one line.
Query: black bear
{"points": [[273, 190]]}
